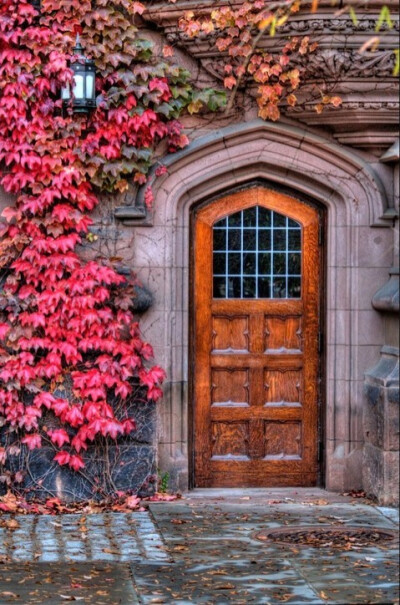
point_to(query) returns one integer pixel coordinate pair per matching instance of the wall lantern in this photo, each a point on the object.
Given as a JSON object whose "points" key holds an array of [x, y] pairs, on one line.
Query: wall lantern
{"points": [[84, 83]]}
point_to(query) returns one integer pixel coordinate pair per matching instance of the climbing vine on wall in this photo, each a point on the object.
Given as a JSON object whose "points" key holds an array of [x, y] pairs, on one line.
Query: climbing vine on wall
{"points": [[70, 347], [239, 33]]}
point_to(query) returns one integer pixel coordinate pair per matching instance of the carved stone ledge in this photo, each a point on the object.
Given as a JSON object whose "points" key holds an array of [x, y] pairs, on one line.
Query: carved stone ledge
{"points": [[387, 297], [366, 139], [134, 215], [392, 154]]}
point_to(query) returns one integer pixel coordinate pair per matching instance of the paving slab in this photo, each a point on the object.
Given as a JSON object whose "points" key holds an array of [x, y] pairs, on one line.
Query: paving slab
{"points": [[217, 558], [58, 583]]}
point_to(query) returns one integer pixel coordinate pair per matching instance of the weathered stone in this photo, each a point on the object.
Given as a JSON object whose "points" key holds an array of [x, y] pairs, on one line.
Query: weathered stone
{"points": [[381, 428], [124, 467], [129, 465]]}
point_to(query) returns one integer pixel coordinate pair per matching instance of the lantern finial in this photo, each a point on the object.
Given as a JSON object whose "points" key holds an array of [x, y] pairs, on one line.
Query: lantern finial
{"points": [[78, 48]]}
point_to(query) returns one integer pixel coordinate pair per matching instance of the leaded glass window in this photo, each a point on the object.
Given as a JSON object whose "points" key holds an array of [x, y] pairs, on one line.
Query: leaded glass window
{"points": [[257, 254]]}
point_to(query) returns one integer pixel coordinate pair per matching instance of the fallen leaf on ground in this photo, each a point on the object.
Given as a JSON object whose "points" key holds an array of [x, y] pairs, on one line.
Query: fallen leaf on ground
{"points": [[10, 524]]}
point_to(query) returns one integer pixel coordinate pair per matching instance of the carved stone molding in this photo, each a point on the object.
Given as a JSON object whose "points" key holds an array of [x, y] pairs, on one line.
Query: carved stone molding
{"points": [[365, 81], [333, 65], [336, 64], [274, 142]]}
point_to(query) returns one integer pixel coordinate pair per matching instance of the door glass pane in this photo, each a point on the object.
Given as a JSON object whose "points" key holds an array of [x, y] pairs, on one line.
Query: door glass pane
{"points": [[257, 254]]}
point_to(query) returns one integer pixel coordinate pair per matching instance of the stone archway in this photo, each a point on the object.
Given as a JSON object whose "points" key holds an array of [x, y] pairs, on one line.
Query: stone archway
{"points": [[356, 265]]}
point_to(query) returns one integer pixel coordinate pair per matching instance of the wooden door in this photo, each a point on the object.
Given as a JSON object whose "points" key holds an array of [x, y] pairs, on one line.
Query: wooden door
{"points": [[255, 341]]}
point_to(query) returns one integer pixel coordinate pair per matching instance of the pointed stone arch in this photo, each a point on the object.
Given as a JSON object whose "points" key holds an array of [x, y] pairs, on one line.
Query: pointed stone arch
{"points": [[311, 168]]}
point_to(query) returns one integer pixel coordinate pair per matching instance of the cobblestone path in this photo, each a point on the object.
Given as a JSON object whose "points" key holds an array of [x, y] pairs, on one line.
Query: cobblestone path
{"points": [[115, 537]]}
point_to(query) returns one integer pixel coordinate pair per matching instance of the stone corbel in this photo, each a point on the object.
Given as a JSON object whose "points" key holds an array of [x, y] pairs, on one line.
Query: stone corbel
{"points": [[133, 211], [387, 297], [136, 215]]}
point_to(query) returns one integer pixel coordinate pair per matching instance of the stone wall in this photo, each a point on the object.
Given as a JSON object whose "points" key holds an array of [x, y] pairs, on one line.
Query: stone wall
{"points": [[359, 252]]}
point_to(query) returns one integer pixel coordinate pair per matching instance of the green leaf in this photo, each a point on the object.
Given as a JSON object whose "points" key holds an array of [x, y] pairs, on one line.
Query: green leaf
{"points": [[384, 17], [353, 16], [165, 109], [396, 68], [145, 154], [128, 151], [217, 100]]}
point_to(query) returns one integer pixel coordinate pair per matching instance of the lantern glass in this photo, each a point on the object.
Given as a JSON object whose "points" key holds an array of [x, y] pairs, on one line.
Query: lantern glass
{"points": [[66, 93], [79, 88], [90, 85]]}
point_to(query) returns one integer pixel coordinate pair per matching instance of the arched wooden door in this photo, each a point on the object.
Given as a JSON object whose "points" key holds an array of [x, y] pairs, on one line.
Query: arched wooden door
{"points": [[255, 341]]}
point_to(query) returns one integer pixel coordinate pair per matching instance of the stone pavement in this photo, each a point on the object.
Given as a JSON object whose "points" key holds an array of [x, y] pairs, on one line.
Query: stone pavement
{"points": [[114, 537], [201, 549]]}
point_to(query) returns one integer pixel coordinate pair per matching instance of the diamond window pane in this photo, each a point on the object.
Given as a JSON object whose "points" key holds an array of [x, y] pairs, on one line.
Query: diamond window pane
{"points": [[257, 254]]}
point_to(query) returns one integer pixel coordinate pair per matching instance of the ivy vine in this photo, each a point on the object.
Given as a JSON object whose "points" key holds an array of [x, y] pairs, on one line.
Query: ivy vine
{"points": [[67, 326]]}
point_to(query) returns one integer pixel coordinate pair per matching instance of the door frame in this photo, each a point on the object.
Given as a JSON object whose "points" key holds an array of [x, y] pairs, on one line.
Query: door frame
{"points": [[321, 419]]}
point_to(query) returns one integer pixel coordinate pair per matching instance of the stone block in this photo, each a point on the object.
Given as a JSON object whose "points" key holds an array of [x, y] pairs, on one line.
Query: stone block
{"points": [[145, 417], [391, 465], [371, 328], [120, 467], [373, 420], [375, 247], [128, 464], [381, 475], [372, 470], [153, 247], [391, 420], [381, 417], [367, 282]]}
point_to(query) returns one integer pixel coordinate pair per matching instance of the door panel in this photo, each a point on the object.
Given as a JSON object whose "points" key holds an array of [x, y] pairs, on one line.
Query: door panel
{"points": [[256, 318]]}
